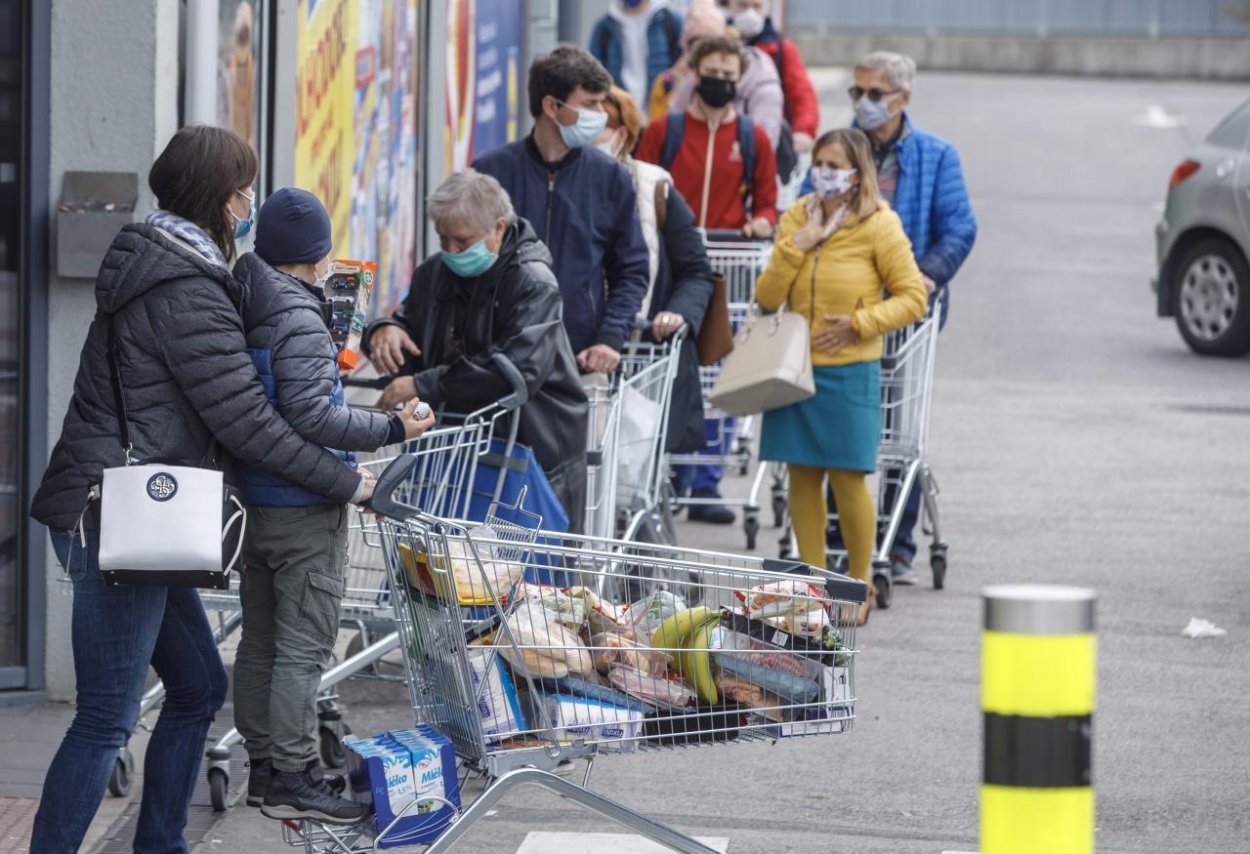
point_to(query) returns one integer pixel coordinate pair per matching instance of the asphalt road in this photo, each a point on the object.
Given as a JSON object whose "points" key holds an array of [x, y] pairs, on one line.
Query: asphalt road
{"points": [[1076, 441]]}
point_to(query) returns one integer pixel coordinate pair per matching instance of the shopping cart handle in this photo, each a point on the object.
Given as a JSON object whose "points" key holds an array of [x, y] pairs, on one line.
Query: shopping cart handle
{"points": [[370, 382], [520, 391], [837, 586], [394, 476], [729, 235]]}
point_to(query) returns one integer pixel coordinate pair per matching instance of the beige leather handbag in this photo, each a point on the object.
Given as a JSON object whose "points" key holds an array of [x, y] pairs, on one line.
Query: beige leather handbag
{"points": [[770, 366]]}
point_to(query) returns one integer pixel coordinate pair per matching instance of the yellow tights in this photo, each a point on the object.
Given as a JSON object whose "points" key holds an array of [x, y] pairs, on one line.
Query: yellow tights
{"points": [[856, 515]]}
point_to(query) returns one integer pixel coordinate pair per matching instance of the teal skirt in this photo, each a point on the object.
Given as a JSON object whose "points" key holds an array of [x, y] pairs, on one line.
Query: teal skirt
{"points": [[838, 428]]}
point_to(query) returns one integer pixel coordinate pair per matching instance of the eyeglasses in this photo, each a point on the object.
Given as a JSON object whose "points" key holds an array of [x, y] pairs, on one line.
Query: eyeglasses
{"points": [[874, 95]]}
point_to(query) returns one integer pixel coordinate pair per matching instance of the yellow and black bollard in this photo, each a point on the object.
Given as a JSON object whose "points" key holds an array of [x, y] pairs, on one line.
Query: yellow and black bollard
{"points": [[1037, 697]]}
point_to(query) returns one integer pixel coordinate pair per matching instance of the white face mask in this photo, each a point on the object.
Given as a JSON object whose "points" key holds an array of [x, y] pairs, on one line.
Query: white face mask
{"points": [[749, 23], [830, 183]]}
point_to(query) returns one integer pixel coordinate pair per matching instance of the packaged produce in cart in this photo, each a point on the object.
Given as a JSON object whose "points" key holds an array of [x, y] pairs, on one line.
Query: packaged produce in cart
{"points": [[348, 289], [612, 728], [462, 577], [395, 770]]}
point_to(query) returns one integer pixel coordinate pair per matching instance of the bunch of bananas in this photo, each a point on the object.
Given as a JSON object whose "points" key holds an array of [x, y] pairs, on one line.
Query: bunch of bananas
{"points": [[686, 637]]}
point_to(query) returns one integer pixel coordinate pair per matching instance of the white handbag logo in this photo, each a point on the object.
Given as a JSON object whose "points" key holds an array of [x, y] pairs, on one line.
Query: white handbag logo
{"points": [[162, 486]]}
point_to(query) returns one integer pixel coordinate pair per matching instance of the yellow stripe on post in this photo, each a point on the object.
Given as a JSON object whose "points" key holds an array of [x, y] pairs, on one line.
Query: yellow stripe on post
{"points": [[1037, 675], [1037, 821], [1038, 664]]}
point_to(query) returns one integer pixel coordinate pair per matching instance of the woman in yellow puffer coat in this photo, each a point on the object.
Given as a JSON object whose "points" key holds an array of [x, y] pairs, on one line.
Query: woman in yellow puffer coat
{"points": [[837, 253]]}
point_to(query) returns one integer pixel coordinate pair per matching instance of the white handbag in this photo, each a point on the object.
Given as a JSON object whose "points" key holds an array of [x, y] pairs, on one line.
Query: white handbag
{"points": [[770, 365], [163, 524]]}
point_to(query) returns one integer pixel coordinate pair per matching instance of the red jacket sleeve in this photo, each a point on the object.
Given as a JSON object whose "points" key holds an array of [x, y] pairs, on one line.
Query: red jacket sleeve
{"points": [[800, 94], [651, 146], [764, 183]]}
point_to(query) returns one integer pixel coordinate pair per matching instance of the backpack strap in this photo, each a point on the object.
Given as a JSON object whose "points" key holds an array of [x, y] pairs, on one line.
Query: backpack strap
{"points": [[746, 147], [674, 130], [672, 32]]}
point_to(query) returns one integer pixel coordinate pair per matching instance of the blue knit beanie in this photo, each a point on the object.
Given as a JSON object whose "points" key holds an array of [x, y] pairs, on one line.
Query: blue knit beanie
{"points": [[292, 228]]}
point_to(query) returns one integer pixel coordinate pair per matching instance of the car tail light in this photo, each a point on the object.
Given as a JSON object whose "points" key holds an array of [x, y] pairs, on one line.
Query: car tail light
{"points": [[1187, 168]]}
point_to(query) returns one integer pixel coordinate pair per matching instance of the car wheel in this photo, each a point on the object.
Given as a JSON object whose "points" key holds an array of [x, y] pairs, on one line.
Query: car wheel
{"points": [[1211, 298]]}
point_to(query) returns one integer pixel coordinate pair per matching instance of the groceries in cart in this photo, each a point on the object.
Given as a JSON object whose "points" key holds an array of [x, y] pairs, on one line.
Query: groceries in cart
{"points": [[409, 779], [565, 662], [459, 577], [347, 291]]}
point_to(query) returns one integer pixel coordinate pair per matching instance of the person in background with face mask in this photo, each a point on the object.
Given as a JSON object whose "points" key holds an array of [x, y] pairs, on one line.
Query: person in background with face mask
{"points": [[489, 291], [708, 165], [636, 42], [295, 544], [752, 19], [167, 307], [837, 251], [703, 21], [581, 203], [723, 165], [921, 177]]}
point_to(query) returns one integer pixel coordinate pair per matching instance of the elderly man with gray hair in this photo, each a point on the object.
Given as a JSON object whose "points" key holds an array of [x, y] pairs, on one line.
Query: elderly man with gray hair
{"points": [[920, 175], [490, 291]]}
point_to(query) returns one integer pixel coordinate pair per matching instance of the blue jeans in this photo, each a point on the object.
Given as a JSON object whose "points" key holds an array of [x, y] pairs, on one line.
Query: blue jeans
{"points": [[705, 479], [117, 632]]}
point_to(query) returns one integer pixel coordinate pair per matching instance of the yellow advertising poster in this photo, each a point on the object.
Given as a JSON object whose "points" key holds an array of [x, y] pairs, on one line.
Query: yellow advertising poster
{"points": [[356, 131]]}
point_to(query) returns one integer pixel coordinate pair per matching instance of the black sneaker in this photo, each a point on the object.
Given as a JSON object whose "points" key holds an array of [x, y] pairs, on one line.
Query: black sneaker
{"points": [[258, 773], [716, 514], [296, 795]]}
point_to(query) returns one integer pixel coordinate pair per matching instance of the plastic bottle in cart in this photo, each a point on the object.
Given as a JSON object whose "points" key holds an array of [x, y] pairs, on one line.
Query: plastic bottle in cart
{"points": [[348, 290]]}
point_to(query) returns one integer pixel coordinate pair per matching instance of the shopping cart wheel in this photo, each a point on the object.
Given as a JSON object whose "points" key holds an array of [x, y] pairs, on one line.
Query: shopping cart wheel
{"points": [[331, 743], [218, 789], [937, 562], [119, 779], [885, 589], [751, 525], [779, 509]]}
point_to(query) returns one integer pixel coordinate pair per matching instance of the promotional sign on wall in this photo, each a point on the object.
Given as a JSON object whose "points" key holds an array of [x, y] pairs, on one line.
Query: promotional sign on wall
{"points": [[484, 79], [356, 131]]}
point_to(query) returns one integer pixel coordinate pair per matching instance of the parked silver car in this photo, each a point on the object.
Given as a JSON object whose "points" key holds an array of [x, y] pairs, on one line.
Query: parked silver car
{"points": [[1203, 242]]}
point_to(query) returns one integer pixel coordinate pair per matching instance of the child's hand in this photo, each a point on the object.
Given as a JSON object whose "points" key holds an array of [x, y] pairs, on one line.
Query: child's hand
{"points": [[417, 418]]}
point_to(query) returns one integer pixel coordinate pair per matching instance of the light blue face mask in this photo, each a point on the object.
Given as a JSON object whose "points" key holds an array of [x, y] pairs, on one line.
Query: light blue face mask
{"points": [[474, 261], [243, 227], [870, 114], [590, 123]]}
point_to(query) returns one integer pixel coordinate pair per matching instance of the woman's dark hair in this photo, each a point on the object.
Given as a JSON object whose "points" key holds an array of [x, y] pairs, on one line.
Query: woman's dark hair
{"points": [[703, 48], [196, 175], [560, 72]]}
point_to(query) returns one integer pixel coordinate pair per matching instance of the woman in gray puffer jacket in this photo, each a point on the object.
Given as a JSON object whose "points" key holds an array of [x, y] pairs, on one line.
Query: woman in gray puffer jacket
{"points": [[192, 398]]}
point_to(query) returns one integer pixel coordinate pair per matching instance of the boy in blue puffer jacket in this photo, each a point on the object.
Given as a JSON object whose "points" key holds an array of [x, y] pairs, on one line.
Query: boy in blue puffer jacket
{"points": [[295, 547]]}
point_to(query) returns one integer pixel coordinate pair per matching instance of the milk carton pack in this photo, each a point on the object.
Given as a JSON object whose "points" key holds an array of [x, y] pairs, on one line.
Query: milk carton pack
{"points": [[394, 770], [497, 702], [612, 728]]}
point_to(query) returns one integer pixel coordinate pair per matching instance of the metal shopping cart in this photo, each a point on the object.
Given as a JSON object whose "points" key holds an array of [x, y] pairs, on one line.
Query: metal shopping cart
{"points": [[542, 675], [730, 439], [907, 365], [628, 424]]}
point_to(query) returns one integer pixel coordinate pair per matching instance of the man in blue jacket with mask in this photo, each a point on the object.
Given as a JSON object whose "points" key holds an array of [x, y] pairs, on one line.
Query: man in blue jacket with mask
{"points": [[920, 175], [581, 202]]}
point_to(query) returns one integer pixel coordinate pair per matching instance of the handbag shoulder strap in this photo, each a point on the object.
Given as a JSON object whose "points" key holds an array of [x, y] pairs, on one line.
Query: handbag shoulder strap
{"points": [[119, 397]]}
